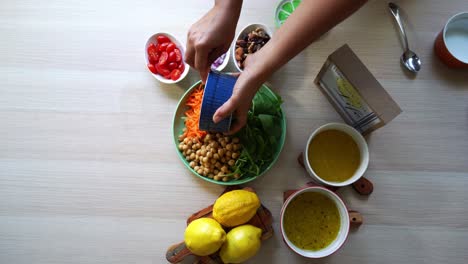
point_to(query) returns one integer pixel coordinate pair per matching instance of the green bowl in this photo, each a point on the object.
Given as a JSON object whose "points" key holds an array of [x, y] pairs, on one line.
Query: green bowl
{"points": [[178, 125]]}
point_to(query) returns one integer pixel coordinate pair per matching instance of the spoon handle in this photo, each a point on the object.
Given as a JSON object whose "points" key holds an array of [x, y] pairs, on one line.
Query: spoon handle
{"points": [[395, 10]]}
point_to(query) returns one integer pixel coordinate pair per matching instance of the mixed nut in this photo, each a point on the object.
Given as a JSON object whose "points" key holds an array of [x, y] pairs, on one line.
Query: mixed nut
{"points": [[250, 43]]}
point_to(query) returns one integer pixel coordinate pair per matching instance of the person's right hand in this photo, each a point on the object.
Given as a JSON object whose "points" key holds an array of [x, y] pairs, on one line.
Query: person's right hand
{"points": [[211, 36]]}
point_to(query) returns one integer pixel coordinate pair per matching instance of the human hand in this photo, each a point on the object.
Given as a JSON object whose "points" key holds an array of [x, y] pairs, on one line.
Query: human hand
{"points": [[239, 103], [211, 36]]}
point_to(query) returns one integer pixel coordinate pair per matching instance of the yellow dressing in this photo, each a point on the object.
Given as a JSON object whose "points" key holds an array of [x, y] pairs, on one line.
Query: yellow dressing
{"points": [[334, 155], [311, 221]]}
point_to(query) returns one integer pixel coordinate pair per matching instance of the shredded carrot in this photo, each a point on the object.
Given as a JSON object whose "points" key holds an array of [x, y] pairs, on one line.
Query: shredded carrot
{"points": [[194, 103]]}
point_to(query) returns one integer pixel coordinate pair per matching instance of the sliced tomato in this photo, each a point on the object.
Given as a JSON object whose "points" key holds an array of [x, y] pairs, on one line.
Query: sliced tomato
{"points": [[172, 57], [163, 46], [170, 47], [152, 68], [172, 65], [181, 67], [162, 70], [163, 58], [162, 39], [175, 74], [153, 55], [178, 55]]}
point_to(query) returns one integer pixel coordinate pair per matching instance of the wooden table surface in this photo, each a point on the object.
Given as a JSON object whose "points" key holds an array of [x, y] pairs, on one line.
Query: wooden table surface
{"points": [[89, 172]]}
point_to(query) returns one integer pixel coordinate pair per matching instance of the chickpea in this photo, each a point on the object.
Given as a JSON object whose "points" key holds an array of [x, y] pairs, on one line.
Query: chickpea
{"points": [[235, 155], [217, 178], [216, 156], [219, 135], [221, 152], [229, 147], [218, 165], [228, 154], [181, 146], [206, 170], [203, 152], [213, 161], [226, 139], [237, 176], [198, 152], [223, 160], [235, 140], [205, 159], [215, 171], [209, 154], [231, 162], [184, 147], [200, 171], [208, 137], [192, 156], [196, 168], [224, 168], [223, 144], [186, 140], [184, 129], [202, 147], [236, 147], [192, 164], [181, 137], [194, 140], [210, 175], [190, 143], [189, 151], [225, 179]]}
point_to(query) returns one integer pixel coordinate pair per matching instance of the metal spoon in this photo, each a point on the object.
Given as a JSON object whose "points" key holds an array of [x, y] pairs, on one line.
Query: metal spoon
{"points": [[409, 59]]}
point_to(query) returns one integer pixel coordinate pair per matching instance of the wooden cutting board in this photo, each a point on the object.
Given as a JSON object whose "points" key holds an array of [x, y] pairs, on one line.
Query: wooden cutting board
{"points": [[262, 219]]}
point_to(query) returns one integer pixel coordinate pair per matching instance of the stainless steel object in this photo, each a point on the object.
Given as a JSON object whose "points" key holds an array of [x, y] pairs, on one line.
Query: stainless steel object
{"points": [[409, 59]]}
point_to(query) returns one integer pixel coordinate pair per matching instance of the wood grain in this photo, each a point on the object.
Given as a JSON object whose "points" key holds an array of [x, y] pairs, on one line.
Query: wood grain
{"points": [[89, 173]]}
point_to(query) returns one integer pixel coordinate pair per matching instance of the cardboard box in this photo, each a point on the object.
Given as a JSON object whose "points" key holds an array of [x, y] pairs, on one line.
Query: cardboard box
{"points": [[354, 92]]}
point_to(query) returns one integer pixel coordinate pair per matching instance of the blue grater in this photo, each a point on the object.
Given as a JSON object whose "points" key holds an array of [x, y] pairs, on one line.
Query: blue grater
{"points": [[218, 89]]}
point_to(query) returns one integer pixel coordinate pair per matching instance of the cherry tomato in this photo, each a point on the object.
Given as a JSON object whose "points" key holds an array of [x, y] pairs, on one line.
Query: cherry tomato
{"points": [[153, 55], [172, 65], [181, 67], [167, 76], [162, 39], [162, 70], [163, 46], [163, 58], [175, 74], [172, 57], [178, 55], [170, 47], [152, 68]]}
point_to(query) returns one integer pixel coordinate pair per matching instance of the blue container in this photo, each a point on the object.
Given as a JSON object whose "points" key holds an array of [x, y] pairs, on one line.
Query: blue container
{"points": [[218, 89]]}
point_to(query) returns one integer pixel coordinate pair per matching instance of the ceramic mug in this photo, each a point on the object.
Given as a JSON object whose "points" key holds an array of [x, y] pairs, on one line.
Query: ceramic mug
{"points": [[451, 45], [342, 233], [363, 150]]}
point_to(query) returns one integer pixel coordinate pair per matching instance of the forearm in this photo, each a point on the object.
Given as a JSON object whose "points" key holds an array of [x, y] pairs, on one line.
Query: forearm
{"points": [[230, 8], [306, 24]]}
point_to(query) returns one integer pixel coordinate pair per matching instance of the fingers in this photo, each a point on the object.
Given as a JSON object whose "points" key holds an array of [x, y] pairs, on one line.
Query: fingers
{"points": [[224, 111], [190, 52], [201, 60], [239, 122]]}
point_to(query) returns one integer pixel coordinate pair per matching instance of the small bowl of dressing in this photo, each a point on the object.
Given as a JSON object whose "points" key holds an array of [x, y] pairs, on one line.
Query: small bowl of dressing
{"points": [[336, 155]]}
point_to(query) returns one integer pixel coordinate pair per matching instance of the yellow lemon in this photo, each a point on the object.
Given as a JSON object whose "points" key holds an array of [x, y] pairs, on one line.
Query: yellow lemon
{"points": [[204, 236], [242, 243], [235, 207]]}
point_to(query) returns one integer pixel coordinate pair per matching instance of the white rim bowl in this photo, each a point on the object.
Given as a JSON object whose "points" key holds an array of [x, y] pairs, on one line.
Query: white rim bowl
{"points": [[249, 28], [153, 39]]}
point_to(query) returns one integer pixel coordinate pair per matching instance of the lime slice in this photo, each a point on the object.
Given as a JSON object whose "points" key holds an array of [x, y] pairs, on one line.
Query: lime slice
{"points": [[284, 10]]}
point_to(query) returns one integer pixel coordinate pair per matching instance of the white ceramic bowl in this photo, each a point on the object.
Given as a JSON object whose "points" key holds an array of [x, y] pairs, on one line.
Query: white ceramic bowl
{"points": [[342, 233], [363, 150], [153, 39], [246, 30], [225, 62]]}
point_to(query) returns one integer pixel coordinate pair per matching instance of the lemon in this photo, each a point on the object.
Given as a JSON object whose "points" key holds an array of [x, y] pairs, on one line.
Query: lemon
{"points": [[235, 207], [242, 243], [204, 236]]}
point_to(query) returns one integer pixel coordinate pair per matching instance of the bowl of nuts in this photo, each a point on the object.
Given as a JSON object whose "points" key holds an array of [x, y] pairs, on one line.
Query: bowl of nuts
{"points": [[251, 39], [227, 159]]}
